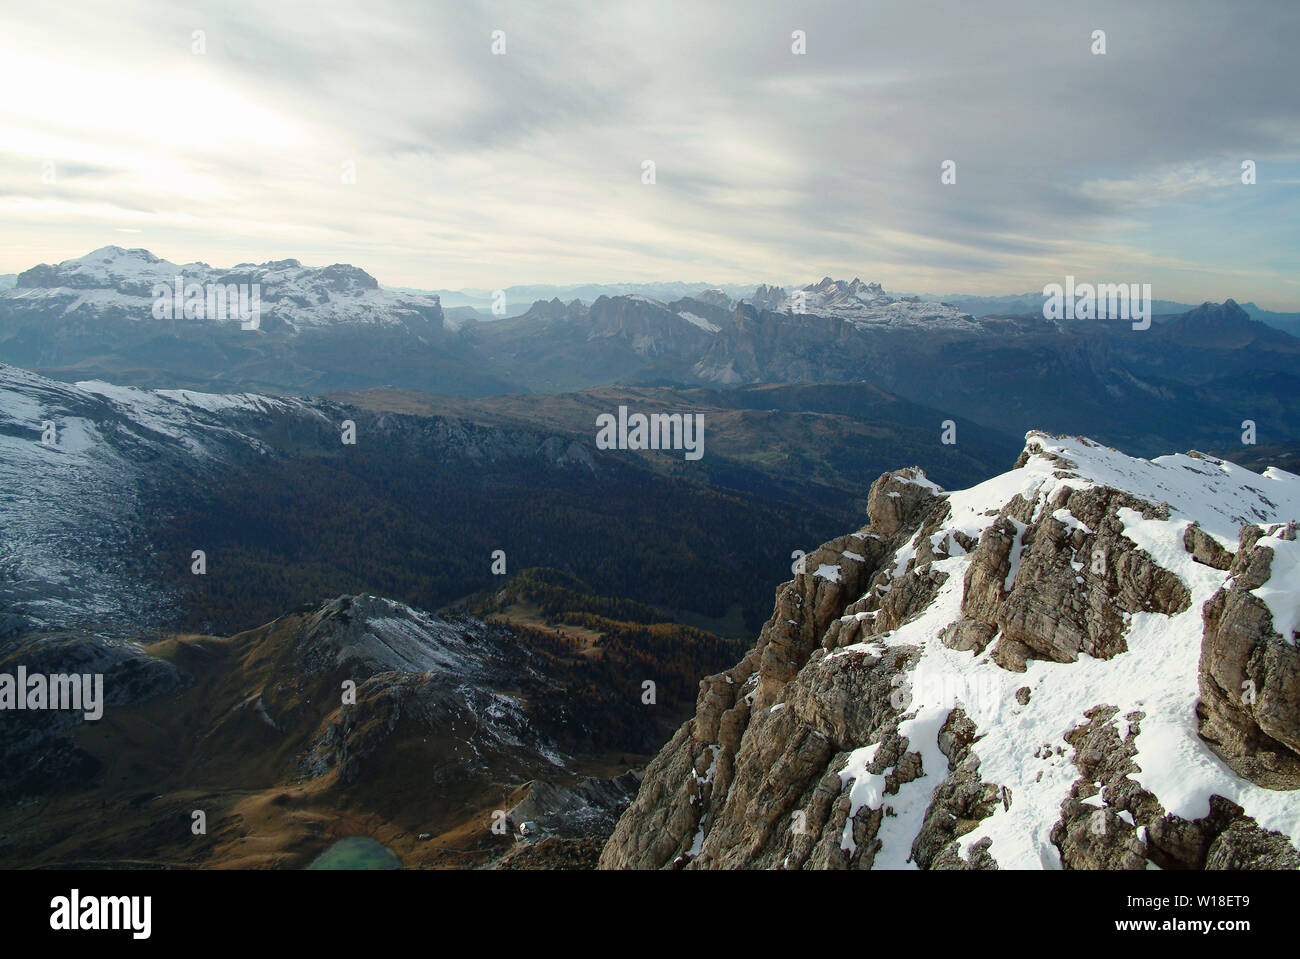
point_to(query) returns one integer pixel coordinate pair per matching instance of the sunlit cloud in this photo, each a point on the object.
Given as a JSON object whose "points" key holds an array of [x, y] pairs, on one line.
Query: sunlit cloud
{"points": [[392, 137]]}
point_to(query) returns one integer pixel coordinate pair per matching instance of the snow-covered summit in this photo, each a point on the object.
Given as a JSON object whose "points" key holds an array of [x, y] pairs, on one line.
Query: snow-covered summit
{"points": [[1087, 662], [131, 272], [1218, 494], [865, 305], [123, 284]]}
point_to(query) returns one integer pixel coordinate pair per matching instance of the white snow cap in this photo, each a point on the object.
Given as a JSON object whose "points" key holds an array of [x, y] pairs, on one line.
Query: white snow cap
{"points": [[1157, 675]]}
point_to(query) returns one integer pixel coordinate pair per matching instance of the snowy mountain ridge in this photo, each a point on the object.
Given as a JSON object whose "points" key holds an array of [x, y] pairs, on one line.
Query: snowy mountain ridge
{"points": [[316, 297], [865, 305], [1087, 662], [124, 281], [77, 463]]}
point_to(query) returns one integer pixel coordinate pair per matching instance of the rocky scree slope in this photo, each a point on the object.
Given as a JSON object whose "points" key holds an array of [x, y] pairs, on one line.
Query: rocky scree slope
{"points": [[1088, 662]]}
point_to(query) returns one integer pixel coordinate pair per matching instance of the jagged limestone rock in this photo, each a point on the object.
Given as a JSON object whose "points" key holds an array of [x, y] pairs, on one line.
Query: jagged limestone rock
{"points": [[1205, 548], [811, 754], [1243, 845], [1250, 675], [757, 752]]}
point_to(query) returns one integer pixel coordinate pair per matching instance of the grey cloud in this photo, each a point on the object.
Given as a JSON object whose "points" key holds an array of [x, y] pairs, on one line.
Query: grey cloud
{"points": [[838, 148]]}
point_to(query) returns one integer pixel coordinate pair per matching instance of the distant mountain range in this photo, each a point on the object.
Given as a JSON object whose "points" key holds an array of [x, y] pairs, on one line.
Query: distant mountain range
{"points": [[1190, 380], [462, 305], [317, 328], [465, 304], [518, 299], [1033, 302]]}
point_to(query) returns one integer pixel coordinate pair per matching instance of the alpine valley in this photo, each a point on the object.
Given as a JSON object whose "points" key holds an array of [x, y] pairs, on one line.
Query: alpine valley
{"points": [[363, 570]]}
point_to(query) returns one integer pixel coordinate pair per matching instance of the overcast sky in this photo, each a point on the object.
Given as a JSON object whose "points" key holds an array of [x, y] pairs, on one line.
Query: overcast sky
{"points": [[486, 171]]}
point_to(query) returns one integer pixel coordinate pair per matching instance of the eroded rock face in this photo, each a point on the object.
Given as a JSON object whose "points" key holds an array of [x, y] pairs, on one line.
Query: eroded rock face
{"points": [[1249, 674], [810, 752], [1243, 845], [1205, 548], [1059, 587], [679, 816], [1109, 821], [898, 499], [958, 803]]}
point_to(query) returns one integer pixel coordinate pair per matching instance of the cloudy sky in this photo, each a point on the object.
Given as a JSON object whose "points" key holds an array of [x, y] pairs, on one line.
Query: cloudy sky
{"points": [[483, 171]]}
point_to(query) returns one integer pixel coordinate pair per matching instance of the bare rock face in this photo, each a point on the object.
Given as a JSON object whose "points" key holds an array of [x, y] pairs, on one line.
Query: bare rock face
{"points": [[898, 498], [1243, 845], [1109, 821], [1097, 828], [1205, 548], [816, 751], [959, 802], [1097, 838], [986, 587], [1249, 674], [1060, 587], [787, 746]]}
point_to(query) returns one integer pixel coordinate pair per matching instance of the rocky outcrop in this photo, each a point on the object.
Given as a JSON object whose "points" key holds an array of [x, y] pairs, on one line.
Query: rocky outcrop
{"points": [[586, 807], [1243, 845], [1053, 610], [775, 796], [867, 727], [385, 663], [1109, 821], [1059, 587], [1250, 674]]}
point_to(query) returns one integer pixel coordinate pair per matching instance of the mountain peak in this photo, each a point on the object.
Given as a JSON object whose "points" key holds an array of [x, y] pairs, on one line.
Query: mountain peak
{"points": [[1225, 326], [124, 283], [1029, 655], [865, 305], [109, 253]]}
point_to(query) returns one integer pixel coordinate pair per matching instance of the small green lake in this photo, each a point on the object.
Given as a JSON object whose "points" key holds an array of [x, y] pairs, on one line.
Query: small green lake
{"points": [[357, 852]]}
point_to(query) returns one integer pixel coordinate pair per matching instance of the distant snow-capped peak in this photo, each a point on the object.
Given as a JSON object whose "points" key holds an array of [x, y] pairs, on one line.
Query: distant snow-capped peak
{"points": [[865, 305], [862, 304], [126, 283]]}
